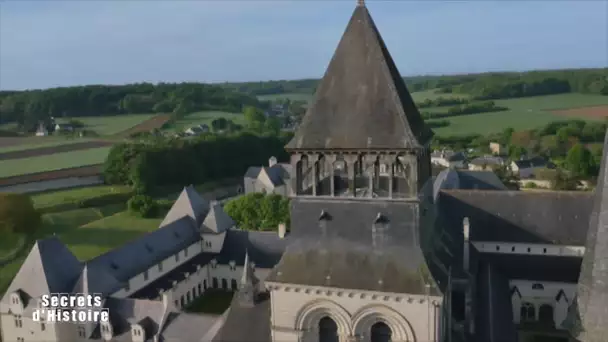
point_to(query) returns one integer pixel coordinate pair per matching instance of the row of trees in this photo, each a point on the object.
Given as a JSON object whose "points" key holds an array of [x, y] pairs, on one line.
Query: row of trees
{"points": [[256, 211], [178, 162], [465, 109], [442, 102], [27, 108], [488, 86]]}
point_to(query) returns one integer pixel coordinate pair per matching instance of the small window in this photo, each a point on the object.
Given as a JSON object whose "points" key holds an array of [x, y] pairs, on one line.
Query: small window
{"points": [[149, 248], [81, 332], [513, 249], [544, 250], [20, 339], [497, 248], [160, 266], [127, 286], [208, 243], [42, 327], [176, 234], [177, 257], [146, 275], [114, 265], [186, 252], [538, 286], [18, 321], [529, 249]]}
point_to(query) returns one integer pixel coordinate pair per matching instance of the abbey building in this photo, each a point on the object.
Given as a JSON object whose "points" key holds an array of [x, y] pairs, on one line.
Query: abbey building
{"points": [[378, 249]]}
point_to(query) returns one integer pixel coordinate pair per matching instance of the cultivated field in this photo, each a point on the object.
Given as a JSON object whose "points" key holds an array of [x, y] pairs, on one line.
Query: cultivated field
{"points": [[430, 94], [523, 113], [595, 112], [109, 125], [55, 161], [205, 117]]}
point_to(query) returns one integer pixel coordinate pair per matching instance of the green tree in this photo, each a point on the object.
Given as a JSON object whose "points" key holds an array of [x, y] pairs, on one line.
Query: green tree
{"points": [[17, 214], [256, 211], [579, 161], [254, 117], [143, 205], [272, 125]]}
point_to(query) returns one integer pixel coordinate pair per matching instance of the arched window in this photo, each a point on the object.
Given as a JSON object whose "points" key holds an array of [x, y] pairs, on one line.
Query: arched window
{"points": [[328, 330], [215, 283], [528, 312], [380, 332], [233, 284], [224, 284], [538, 286]]}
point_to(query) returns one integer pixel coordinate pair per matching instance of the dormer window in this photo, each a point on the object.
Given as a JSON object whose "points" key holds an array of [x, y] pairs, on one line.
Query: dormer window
{"points": [[81, 331], [232, 266], [113, 265], [146, 275], [176, 234], [213, 263], [186, 252], [538, 286], [149, 248], [176, 257], [208, 244]]}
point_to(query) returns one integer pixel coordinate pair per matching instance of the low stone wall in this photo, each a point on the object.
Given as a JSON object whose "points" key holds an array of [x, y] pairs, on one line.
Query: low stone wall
{"points": [[52, 184]]}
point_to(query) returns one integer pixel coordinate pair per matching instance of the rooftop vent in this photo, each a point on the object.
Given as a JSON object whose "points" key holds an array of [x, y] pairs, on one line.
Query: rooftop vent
{"points": [[114, 265], [149, 248]]}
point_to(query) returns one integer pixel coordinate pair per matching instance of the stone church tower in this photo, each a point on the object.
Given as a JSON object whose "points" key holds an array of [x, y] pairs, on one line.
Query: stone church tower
{"points": [[356, 267]]}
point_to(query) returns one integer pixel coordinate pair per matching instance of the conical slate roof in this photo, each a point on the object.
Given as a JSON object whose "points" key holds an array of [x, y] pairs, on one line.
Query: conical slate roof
{"points": [[591, 308], [362, 101], [95, 280], [216, 220]]}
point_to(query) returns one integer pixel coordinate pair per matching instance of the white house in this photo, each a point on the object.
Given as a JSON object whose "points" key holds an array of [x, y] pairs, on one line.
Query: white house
{"points": [[450, 159]]}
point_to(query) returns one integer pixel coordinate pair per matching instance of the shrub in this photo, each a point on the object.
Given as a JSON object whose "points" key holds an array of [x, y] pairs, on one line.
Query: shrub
{"points": [[143, 205], [256, 211], [17, 214]]}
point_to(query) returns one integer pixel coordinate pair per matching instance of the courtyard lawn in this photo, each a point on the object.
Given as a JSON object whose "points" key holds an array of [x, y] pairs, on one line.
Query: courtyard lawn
{"points": [[205, 117], [523, 113], [73, 196], [211, 302], [109, 125], [51, 162]]}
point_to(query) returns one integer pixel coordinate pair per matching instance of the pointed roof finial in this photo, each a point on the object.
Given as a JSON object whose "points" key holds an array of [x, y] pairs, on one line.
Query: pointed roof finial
{"points": [[361, 3]]}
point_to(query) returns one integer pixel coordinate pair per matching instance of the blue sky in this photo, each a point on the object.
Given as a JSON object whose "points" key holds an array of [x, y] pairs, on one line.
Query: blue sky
{"points": [[54, 43]]}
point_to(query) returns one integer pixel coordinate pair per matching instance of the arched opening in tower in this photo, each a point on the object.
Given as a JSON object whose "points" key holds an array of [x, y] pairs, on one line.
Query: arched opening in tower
{"points": [[380, 332], [341, 182], [322, 170], [328, 330], [362, 172], [401, 179]]}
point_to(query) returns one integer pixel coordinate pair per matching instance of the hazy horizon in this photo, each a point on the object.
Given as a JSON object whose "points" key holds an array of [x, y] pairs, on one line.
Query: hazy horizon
{"points": [[52, 44]]}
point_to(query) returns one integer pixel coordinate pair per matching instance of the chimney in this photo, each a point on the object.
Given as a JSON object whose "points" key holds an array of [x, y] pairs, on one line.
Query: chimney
{"points": [[282, 230], [272, 161], [465, 232]]}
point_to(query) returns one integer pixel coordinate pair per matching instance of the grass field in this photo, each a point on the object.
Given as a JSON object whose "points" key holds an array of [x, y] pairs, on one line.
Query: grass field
{"points": [[523, 113], [430, 94], [28, 143], [56, 198], [109, 125], [53, 162], [205, 117]]}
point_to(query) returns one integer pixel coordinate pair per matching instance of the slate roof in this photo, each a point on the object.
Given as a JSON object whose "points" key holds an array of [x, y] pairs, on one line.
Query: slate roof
{"points": [[488, 160], [190, 204], [518, 216], [362, 101], [494, 314], [185, 327], [246, 323], [592, 294], [216, 220], [98, 281], [264, 250], [466, 180], [125, 311], [344, 242], [535, 267], [138, 255], [272, 176], [531, 163], [50, 267]]}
